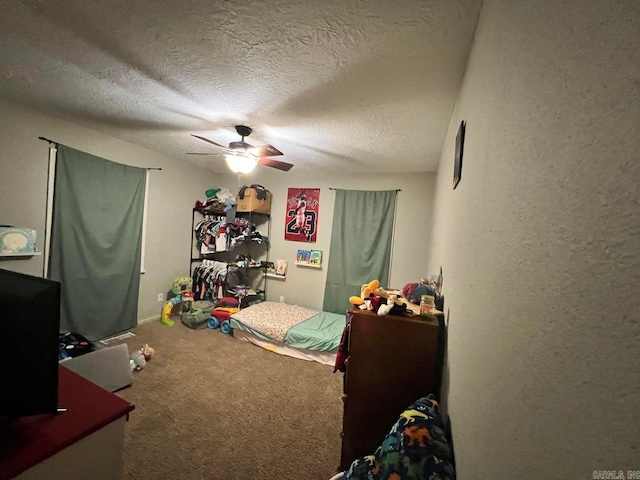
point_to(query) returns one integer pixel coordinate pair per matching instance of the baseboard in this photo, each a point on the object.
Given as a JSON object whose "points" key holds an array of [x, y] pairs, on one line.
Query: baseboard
{"points": [[148, 320]]}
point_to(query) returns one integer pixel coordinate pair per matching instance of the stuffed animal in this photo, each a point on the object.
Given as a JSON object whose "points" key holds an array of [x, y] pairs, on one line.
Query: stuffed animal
{"points": [[367, 290], [138, 359], [413, 291], [394, 306], [147, 352]]}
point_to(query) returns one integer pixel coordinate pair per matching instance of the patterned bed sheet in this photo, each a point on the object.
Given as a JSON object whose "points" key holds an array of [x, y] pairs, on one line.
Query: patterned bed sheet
{"points": [[273, 319], [321, 331]]}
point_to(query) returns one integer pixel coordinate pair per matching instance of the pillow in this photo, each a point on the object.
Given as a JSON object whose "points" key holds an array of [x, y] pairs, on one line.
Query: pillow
{"points": [[415, 448]]}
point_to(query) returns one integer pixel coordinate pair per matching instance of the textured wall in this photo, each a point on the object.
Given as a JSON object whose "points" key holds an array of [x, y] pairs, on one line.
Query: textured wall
{"points": [[305, 286], [172, 194], [539, 243]]}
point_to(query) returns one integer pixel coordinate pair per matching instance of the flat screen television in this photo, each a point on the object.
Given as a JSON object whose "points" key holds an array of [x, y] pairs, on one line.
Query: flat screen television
{"points": [[30, 325]]}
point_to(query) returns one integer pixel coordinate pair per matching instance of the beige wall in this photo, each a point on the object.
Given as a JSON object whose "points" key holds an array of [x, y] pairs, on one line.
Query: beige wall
{"points": [[172, 194], [540, 243], [305, 286]]}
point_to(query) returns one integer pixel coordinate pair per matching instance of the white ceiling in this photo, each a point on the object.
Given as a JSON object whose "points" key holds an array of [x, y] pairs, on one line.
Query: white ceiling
{"points": [[354, 85]]}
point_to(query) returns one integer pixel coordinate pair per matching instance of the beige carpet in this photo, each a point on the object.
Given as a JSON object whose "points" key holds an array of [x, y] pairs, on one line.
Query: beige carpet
{"points": [[212, 407]]}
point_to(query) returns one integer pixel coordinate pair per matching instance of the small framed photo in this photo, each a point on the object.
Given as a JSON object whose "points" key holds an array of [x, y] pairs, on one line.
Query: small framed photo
{"points": [[457, 161]]}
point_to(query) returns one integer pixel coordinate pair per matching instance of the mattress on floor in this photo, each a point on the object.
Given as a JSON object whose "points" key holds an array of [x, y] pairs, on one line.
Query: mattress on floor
{"points": [[321, 332], [326, 358]]}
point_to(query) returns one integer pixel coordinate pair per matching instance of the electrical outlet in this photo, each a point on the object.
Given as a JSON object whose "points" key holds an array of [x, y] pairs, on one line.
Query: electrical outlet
{"points": [[281, 299], [161, 297]]}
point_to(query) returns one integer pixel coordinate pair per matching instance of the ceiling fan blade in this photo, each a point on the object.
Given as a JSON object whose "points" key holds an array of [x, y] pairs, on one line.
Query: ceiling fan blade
{"points": [[270, 162], [265, 151], [208, 141]]}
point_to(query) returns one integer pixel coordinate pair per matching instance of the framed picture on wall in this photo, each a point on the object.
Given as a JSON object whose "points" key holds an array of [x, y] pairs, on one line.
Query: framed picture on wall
{"points": [[457, 161], [301, 220]]}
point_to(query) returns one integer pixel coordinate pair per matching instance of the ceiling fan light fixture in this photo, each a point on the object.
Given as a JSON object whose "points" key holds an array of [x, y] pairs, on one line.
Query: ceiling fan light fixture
{"points": [[241, 163], [242, 157]]}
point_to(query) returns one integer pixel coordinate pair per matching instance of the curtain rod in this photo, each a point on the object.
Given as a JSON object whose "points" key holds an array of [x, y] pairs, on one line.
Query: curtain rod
{"points": [[56, 143], [331, 188]]}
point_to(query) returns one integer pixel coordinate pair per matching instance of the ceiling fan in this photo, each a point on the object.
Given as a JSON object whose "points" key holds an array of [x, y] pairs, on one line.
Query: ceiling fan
{"points": [[242, 157]]}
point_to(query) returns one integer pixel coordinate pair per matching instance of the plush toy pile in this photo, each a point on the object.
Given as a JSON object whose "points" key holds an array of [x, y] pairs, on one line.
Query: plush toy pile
{"points": [[375, 298], [392, 302], [413, 291]]}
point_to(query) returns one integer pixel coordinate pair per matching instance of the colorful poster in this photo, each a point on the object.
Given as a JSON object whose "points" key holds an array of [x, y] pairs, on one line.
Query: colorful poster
{"points": [[301, 222]]}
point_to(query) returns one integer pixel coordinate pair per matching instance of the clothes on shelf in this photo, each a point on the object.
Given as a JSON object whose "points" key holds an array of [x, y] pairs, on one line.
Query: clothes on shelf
{"points": [[214, 234], [207, 232], [221, 261], [213, 279], [209, 280]]}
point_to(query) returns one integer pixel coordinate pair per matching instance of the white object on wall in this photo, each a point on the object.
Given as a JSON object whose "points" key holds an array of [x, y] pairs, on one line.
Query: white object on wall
{"points": [[49, 213]]}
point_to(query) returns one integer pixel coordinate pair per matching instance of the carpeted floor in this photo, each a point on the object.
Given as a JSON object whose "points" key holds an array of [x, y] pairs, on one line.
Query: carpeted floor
{"points": [[212, 407]]}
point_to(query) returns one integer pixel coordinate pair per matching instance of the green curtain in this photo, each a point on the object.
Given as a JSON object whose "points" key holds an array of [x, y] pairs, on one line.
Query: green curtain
{"points": [[96, 242], [361, 239]]}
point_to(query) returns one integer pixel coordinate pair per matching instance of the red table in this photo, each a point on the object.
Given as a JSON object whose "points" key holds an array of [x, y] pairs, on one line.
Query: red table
{"points": [[28, 441]]}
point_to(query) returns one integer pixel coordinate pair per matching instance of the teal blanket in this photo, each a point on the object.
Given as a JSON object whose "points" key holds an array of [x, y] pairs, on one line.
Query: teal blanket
{"points": [[322, 332]]}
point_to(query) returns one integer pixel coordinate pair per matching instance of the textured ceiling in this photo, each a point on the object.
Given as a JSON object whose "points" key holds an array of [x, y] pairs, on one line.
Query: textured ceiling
{"points": [[359, 85]]}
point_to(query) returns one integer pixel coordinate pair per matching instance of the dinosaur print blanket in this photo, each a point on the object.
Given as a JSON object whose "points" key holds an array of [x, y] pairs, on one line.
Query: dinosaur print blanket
{"points": [[416, 448]]}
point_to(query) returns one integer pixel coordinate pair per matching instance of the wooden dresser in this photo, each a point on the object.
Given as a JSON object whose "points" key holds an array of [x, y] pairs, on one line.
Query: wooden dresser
{"points": [[393, 361]]}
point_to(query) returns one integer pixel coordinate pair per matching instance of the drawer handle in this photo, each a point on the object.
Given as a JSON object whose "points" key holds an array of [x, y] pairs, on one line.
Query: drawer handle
{"points": [[344, 397]]}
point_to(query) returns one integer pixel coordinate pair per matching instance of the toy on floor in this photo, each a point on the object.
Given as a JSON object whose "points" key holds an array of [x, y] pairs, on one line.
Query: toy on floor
{"points": [[187, 299], [213, 323], [225, 327], [147, 351], [166, 312], [138, 359], [224, 308], [181, 285]]}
